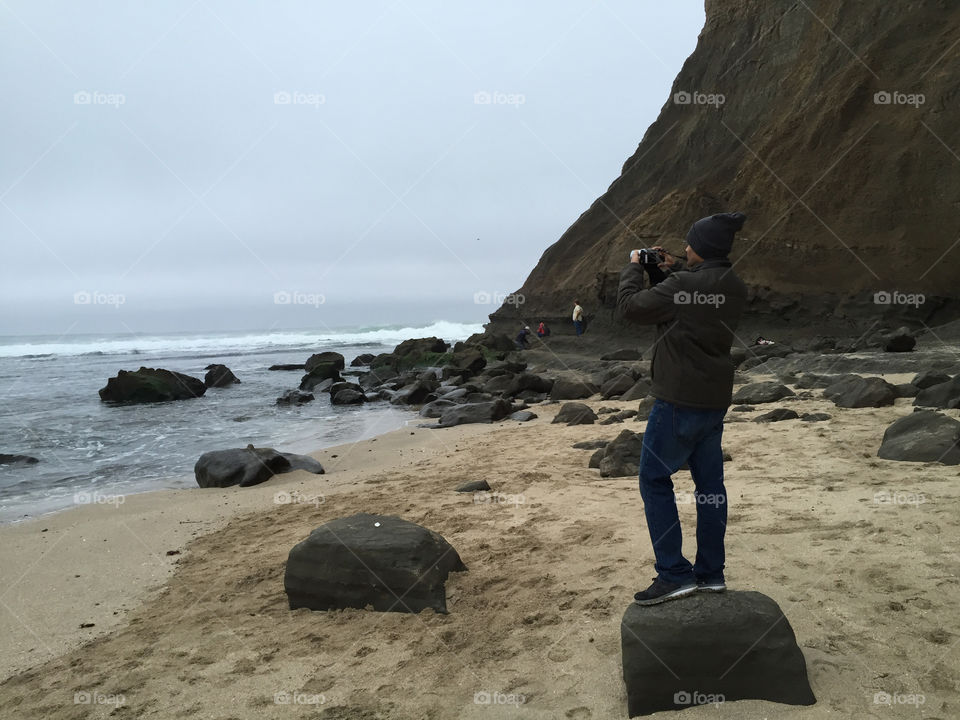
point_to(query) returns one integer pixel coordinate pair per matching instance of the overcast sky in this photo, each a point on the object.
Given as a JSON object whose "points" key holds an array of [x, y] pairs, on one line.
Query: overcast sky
{"points": [[218, 165]]}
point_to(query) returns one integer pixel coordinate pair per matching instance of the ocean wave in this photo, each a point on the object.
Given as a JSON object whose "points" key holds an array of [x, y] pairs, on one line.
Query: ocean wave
{"points": [[235, 343]]}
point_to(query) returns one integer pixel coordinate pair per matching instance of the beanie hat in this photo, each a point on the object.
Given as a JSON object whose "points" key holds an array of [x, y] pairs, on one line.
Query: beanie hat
{"points": [[712, 237]]}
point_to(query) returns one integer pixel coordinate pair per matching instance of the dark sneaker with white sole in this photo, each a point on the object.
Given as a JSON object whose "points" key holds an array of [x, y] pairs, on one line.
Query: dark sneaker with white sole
{"points": [[662, 591], [712, 586]]}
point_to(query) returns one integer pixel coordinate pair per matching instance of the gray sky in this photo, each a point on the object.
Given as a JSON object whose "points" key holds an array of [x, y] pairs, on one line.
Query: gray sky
{"points": [[221, 165]]}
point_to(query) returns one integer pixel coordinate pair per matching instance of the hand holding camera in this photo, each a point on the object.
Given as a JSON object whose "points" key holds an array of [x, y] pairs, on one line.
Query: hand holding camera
{"points": [[655, 255]]}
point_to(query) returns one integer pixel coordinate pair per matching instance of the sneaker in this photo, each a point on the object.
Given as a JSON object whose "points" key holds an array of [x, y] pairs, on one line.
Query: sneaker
{"points": [[712, 586], [661, 591]]}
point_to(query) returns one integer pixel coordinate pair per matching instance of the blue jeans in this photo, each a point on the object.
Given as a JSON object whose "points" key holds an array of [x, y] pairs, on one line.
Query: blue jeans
{"points": [[676, 435], [578, 326]]}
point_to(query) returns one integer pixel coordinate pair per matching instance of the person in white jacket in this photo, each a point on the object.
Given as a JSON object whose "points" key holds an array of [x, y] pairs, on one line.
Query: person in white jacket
{"points": [[577, 318]]}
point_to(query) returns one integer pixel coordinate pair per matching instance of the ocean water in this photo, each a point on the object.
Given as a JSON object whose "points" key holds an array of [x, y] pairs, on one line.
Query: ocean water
{"points": [[95, 451]]}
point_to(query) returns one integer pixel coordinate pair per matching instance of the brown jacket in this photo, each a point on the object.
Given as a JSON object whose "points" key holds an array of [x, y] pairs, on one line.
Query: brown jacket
{"points": [[696, 312]]}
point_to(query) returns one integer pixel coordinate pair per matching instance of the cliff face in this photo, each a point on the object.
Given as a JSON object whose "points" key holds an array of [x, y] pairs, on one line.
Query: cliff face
{"points": [[832, 124]]}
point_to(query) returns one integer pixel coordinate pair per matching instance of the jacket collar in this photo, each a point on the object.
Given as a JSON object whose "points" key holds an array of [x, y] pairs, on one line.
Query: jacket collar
{"points": [[712, 263]]}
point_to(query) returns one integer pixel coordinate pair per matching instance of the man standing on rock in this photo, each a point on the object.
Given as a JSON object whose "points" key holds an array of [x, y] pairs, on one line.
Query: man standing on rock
{"points": [[577, 318], [696, 311]]}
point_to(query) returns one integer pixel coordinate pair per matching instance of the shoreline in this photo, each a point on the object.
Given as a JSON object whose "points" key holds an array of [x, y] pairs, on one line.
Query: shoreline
{"points": [[548, 577], [187, 478], [136, 536]]}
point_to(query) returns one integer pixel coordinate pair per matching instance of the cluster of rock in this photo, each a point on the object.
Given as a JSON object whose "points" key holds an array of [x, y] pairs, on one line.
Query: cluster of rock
{"points": [[151, 385], [158, 385], [924, 436]]}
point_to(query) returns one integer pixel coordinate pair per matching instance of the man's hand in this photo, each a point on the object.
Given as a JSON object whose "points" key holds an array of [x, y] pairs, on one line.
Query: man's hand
{"points": [[668, 260], [635, 256]]}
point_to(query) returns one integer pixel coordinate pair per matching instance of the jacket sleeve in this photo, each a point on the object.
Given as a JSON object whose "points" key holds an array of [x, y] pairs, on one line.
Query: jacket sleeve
{"points": [[648, 307]]}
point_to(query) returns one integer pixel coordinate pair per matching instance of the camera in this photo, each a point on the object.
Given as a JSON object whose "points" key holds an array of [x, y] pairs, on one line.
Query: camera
{"points": [[648, 256]]}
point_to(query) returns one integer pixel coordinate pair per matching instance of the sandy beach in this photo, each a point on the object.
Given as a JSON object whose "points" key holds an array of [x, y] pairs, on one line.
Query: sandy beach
{"points": [[860, 553]]}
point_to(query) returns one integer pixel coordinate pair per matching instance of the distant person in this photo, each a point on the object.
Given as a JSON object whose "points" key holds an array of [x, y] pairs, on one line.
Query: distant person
{"points": [[696, 312], [761, 340], [577, 318], [542, 330], [521, 340]]}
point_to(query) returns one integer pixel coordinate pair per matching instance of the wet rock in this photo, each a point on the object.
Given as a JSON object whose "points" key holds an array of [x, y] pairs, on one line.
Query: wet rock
{"points": [[294, 397], [362, 360], [248, 466], [320, 367], [10, 459], [219, 376], [347, 396], [151, 385]]}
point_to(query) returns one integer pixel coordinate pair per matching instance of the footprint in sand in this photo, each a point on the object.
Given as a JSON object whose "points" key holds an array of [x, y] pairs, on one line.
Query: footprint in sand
{"points": [[579, 713]]}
